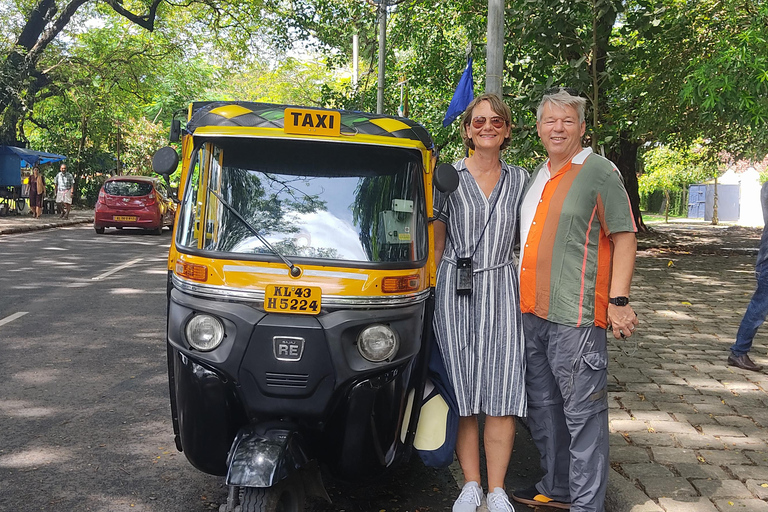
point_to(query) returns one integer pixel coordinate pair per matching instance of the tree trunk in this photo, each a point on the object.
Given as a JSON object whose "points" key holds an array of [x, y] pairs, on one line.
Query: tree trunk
{"points": [[626, 160]]}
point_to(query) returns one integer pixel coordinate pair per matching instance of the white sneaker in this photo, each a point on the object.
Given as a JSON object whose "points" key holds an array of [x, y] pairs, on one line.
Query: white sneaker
{"points": [[498, 501], [469, 499]]}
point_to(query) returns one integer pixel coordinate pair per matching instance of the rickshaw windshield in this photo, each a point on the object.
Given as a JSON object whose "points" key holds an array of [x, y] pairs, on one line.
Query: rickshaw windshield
{"points": [[308, 199]]}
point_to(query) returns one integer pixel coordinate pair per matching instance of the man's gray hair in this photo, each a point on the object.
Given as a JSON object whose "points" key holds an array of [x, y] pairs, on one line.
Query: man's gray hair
{"points": [[563, 97]]}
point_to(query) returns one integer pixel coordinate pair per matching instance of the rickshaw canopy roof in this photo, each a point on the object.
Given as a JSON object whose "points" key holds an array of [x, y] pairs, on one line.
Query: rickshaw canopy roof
{"points": [[32, 157], [266, 115]]}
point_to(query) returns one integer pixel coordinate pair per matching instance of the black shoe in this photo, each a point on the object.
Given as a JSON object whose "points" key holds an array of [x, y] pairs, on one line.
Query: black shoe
{"points": [[744, 362], [532, 496]]}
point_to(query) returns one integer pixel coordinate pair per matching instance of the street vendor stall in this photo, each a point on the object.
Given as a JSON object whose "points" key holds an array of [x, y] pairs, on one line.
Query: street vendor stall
{"points": [[13, 192]]}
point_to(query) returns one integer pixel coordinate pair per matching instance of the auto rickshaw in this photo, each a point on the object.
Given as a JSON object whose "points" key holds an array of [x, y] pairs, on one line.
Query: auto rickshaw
{"points": [[300, 294]]}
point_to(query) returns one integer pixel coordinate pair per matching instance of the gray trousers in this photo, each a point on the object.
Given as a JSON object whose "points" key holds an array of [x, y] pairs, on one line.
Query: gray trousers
{"points": [[566, 378]]}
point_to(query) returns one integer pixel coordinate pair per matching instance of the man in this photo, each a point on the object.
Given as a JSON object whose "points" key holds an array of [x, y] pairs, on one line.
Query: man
{"points": [[758, 306], [577, 259], [65, 187]]}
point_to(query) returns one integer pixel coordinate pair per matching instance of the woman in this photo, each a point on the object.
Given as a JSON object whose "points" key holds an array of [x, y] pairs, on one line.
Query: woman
{"points": [[36, 192], [479, 330]]}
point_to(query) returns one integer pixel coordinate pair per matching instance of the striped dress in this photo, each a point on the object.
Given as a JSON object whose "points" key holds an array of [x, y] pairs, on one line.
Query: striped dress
{"points": [[480, 335]]}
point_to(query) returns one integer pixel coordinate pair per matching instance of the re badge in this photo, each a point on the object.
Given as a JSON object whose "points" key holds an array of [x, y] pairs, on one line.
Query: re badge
{"points": [[313, 122]]}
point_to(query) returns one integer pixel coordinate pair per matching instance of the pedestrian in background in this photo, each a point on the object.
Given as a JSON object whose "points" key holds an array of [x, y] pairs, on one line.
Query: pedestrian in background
{"points": [[36, 192], [477, 313], [758, 306], [577, 259], [65, 188]]}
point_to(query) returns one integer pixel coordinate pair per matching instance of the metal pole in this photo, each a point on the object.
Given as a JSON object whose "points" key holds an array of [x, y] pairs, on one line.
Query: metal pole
{"points": [[495, 49], [382, 55]]}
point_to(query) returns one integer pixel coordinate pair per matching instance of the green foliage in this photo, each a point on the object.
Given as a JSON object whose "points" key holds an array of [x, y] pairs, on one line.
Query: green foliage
{"points": [[668, 168]]}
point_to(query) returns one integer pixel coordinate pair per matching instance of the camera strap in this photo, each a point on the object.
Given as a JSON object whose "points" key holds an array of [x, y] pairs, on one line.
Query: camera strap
{"points": [[493, 208]]}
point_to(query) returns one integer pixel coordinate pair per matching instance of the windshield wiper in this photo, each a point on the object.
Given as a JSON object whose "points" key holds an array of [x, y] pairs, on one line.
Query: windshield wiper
{"points": [[295, 271]]}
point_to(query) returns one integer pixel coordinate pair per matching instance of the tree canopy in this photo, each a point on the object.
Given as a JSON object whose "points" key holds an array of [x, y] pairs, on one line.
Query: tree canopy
{"points": [[94, 79]]}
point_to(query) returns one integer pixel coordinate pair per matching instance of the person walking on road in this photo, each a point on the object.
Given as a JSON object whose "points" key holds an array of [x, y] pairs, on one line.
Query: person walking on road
{"points": [[578, 250], [757, 309], [65, 188], [36, 192], [477, 315]]}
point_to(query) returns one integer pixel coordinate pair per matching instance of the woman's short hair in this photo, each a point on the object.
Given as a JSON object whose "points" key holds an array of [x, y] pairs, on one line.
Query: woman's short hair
{"points": [[562, 97], [497, 105]]}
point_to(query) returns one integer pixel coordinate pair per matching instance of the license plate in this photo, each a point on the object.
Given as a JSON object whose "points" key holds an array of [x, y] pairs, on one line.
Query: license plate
{"points": [[304, 300], [125, 218]]}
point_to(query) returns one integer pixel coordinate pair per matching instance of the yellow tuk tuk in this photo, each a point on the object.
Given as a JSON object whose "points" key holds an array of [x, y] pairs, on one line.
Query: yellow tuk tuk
{"points": [[300, 294]]}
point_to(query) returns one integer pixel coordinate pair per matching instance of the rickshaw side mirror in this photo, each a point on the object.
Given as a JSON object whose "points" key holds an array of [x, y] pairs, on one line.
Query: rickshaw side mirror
{"points": [[446, 179], [175, 135], [164, 162]]}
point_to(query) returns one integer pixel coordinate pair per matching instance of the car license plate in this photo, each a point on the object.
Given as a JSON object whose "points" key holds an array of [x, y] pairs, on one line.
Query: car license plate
{"points": [[304, 300], [125, 218]]}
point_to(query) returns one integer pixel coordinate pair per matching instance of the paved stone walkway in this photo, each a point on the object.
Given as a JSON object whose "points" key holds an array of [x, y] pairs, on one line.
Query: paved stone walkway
{"points": [[688, 432]]}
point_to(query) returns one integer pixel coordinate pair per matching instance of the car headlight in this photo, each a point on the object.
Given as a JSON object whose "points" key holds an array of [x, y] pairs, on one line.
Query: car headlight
{"points": [[204, 332], [377, 343]]}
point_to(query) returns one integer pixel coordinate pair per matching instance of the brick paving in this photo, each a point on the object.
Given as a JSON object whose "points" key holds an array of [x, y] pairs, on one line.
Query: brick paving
{"points": [[688, 432]]}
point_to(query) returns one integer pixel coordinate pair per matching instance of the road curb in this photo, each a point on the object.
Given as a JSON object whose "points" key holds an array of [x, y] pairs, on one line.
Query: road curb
{"points": [[23, 228]]}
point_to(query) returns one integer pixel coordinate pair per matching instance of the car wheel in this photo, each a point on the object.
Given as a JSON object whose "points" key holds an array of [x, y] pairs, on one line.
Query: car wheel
{"points": [[99, 230], [158, 231]]}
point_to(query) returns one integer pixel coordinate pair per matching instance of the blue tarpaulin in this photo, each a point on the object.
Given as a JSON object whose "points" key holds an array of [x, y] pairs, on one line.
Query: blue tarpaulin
{"points": [[11, 159], [31, 157]]}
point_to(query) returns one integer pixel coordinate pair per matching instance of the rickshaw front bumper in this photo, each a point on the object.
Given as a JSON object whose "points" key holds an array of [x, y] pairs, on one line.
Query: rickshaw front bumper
{"points": [[348, 410]]}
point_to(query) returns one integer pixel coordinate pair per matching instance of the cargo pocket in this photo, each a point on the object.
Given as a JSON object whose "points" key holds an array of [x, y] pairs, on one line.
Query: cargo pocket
{"points": [[590, 386]]}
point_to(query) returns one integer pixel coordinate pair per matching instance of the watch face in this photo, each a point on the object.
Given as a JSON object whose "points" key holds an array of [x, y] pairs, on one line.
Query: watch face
{"points": [[619, 301]]}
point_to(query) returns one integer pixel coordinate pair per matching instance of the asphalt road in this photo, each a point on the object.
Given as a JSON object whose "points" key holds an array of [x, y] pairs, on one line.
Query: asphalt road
{"points": [[84, 413]]}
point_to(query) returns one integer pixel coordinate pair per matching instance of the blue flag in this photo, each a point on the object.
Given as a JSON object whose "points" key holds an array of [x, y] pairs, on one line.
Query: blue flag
{"points": [[462, 97]]}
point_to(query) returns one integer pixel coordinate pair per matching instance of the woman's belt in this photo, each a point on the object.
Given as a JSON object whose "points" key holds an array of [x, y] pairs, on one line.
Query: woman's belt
{"points": [[513, 261]]}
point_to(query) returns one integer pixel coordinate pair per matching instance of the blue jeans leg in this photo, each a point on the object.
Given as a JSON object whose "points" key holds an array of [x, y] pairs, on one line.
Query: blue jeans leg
{"points": [[754, 317]]}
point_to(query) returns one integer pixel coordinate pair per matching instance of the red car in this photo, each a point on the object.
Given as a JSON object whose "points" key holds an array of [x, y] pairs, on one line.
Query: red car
{"points": [[133, 202]]}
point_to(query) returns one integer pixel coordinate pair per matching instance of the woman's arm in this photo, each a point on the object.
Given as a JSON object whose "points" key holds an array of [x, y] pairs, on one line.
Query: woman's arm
{"points": [[439, 227]]}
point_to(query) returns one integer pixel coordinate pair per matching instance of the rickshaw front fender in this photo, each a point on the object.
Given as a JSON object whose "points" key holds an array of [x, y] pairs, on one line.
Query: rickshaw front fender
{"points": [[264, 454]]}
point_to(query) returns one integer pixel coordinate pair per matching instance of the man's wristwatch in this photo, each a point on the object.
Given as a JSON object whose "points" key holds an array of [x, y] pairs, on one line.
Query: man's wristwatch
{"points": [[619, 301]]}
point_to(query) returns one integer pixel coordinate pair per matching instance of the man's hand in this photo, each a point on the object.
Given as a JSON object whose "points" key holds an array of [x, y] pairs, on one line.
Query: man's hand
{"points": [[622, 320]]}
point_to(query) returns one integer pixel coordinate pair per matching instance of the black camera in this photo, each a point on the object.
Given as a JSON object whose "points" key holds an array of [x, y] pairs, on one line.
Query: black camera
{"points": [[464, 276]]}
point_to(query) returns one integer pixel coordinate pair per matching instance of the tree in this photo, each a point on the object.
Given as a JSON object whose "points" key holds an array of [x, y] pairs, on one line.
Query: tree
{"points": [[667, 169]]}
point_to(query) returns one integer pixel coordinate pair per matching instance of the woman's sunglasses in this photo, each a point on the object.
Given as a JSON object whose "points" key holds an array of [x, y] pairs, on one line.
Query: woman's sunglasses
{"points": [[496, 122]]}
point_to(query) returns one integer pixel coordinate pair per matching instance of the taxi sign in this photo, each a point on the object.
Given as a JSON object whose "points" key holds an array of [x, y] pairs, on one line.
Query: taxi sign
{"points": [[304, 300], [304, 121]]}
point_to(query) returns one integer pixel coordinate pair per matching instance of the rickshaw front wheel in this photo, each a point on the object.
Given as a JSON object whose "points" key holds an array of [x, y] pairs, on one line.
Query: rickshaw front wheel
{"points": [[286, 496]]}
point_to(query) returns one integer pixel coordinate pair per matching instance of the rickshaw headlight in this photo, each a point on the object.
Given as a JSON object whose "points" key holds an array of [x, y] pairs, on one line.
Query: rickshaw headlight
{"points": [[377, 343], [204, 332]]}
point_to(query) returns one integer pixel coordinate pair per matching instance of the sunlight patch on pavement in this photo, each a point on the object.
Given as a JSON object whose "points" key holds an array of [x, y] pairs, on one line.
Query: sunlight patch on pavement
{"points": [[130, 291], [674, 314], [37, 376], [24, 409], [34, 457]]}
